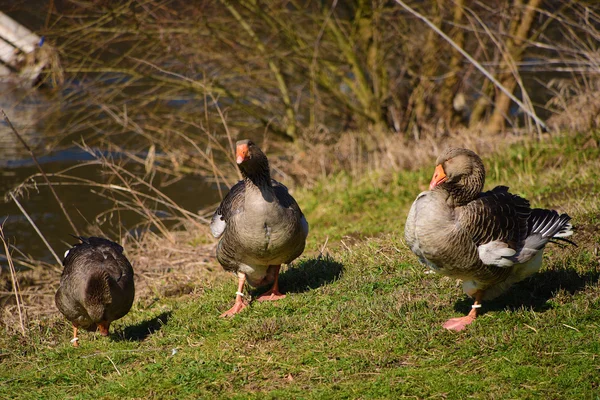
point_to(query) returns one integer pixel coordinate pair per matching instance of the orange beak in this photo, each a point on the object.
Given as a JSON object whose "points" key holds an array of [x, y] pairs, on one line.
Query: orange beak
{"points": [[241, 153], [439, 176]]}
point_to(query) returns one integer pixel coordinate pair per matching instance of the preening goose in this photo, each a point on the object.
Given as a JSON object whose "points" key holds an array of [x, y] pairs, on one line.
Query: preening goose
{"points": [[260, 226], [96, 285], [489, 240]]}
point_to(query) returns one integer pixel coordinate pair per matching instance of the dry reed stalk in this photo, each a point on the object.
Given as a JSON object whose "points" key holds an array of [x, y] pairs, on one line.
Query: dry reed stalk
{"points": [[78, 181], [161, 197], [216, 172], [35, 228], [530, 112], [148, 214], [507, 59], [224, 122], [62, 207], [206, 90], [15, 282]]}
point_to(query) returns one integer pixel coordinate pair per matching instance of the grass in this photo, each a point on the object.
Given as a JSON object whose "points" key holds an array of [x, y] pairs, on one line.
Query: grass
{"points": [[364, 320]]}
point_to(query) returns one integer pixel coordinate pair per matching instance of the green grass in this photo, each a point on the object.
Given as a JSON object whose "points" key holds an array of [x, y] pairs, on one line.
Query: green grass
{"points": [[362, 322]]}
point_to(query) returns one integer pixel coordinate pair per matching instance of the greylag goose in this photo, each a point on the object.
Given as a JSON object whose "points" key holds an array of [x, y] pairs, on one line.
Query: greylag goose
{"points": [[96, 285], [489, 240], [260, 227]]}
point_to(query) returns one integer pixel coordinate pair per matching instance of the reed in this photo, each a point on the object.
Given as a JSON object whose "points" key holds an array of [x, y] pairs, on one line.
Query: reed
{"points": [[39, 167], [15, 283], [34, 226]]}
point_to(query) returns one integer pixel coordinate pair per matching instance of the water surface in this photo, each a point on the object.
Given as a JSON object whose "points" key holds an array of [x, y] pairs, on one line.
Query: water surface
{"points": [[27, 111]]}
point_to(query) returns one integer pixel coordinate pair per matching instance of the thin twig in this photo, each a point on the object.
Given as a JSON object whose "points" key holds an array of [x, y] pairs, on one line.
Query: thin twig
{"points": [[324, 246], [15, 283], [35, 227], [224, 121], [480, 67], [62, 207], [114, 365], [77, 181]]}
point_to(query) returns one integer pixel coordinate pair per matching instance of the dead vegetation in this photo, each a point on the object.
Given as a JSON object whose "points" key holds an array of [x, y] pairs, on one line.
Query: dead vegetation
{"points": [[356, 86], [360, 153], [168, 71], [162, 269]]}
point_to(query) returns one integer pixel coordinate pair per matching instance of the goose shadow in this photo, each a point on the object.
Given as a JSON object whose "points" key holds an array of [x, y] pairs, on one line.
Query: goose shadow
{"points": [[142, 330], [310, 274], [534, 292]]}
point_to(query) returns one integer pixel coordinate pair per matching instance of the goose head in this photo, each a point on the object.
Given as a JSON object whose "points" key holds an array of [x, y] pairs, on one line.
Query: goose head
{"points": [[460, 173], [251, 161]]}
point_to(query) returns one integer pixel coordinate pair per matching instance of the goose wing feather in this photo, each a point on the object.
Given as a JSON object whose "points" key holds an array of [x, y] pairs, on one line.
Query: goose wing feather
{"points": [[497, 222], [286, 200], [232, 204]]}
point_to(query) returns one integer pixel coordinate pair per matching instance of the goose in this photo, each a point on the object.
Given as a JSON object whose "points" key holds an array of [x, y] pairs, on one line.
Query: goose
{"points": [[489, 240], [96, 285], [260, 227]]}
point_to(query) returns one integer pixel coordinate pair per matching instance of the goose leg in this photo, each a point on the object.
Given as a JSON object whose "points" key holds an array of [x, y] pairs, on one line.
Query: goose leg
{"points": [[460, 323], [103, 327], [239, 301], [273, 293], [75, 340]]}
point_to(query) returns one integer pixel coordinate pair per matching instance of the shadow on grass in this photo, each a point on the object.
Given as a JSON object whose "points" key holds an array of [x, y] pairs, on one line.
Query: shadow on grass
{"points": [[310, 274], [144, 329], [535, 291]]}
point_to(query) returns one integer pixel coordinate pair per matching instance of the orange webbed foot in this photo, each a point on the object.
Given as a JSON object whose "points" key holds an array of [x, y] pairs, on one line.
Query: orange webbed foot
{"points": [[237, 307], [458, 324], [103, 327], [271, 295], [274, 293]]}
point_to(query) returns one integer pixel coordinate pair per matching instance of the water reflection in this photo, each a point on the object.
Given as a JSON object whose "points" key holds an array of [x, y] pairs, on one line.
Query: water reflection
{"points": [[26, 111]]}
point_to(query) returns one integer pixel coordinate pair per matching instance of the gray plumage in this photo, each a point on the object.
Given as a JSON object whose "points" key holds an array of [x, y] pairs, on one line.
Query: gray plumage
{"points": [[258, 222], [96, 286], [489, 240]]}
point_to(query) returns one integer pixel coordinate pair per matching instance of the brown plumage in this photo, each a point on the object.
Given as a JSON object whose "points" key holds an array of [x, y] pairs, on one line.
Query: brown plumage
{"points": [[489, 240], [260, 226], [96, 286]]}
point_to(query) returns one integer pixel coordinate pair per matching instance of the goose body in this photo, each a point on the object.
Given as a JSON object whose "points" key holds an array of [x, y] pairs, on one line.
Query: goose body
{"points": [[96, 285], [259, 224], [490, 240]]}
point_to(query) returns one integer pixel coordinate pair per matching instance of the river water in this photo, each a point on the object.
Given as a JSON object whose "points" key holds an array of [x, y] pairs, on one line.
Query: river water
{"points": [[27, 111]]}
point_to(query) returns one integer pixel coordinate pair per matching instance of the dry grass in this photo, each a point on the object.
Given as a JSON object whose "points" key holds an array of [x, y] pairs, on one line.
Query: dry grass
{"points": [[166, 269], [162, 269], [186, 262], [361, 153], [579, 108], [363, 321]]}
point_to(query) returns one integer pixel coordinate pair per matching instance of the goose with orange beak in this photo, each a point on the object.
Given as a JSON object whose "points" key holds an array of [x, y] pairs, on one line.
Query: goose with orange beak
{"points": [[489, 240], [260, 227]]}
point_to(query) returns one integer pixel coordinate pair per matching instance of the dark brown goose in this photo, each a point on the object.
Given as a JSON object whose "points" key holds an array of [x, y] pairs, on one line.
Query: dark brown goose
{"points": [[260, 225], [489, 240], [96, 286]]}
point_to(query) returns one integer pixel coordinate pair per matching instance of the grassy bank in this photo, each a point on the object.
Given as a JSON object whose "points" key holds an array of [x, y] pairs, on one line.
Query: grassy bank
{"points": [[361, 319]]}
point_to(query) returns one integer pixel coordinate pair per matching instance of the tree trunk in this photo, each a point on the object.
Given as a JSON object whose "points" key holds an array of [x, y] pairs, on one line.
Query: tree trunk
{"points": [[515, 47], [424, 86], [444, 104]]}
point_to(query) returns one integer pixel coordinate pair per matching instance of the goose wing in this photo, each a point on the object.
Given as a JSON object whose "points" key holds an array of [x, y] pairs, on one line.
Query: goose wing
{"points": [[232, 204], [497, 222], [286, 200]]}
